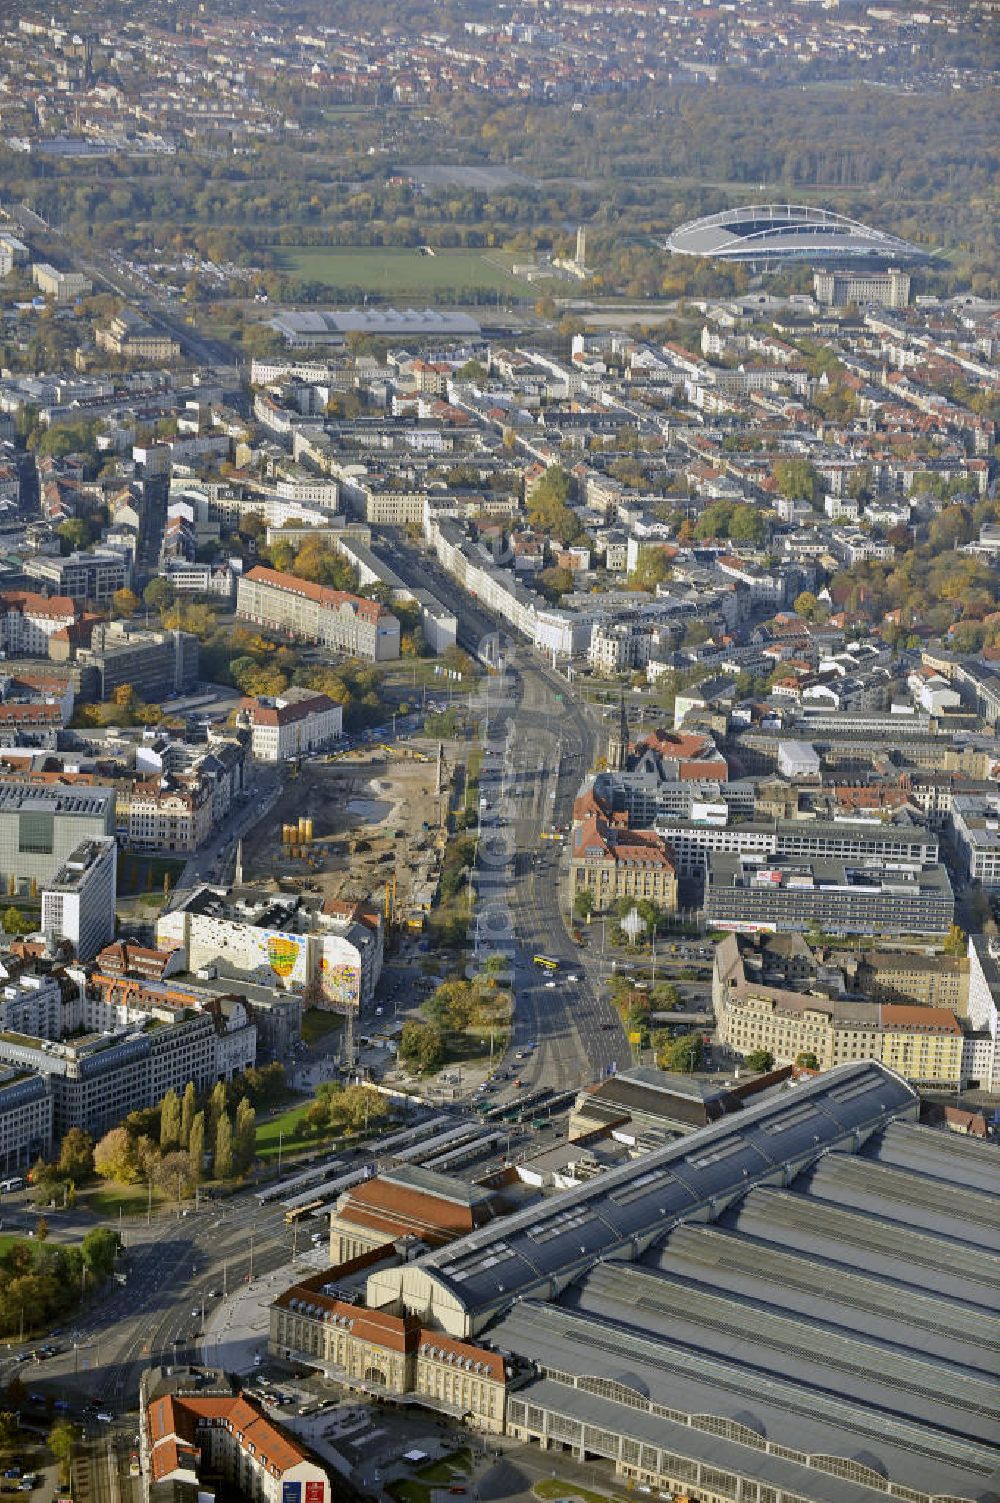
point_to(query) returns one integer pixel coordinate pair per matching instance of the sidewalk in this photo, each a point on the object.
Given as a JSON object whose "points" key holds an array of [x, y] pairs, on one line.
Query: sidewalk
{"points": [[237, 1328]]}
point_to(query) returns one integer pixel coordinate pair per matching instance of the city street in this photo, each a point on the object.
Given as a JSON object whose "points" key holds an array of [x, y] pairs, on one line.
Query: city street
{"points": [[550, 741], [178, 1266]]}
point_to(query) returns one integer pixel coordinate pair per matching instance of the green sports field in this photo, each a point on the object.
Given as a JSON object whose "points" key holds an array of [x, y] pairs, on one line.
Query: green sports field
{"points": [[397, 273]]}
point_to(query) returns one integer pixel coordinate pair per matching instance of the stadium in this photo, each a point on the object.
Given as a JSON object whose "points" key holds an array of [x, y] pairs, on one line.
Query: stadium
{"points": [[769, 234]]}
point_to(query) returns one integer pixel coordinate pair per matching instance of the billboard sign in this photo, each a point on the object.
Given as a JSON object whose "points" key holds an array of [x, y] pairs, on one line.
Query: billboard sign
{"points": [[291, 1492]]}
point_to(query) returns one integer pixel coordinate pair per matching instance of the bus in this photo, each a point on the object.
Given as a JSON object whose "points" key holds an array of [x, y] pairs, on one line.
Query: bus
{"points": [[299, 1213], [16, 1182], [545, 962]]}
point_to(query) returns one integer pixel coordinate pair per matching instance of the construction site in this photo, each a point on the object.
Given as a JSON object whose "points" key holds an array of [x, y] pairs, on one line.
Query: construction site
{"points": [[370, 823]]}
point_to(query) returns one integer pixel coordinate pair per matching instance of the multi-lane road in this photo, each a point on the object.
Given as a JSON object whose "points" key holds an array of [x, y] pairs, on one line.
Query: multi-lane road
{"points": [[544, 741], [177, 1268]]}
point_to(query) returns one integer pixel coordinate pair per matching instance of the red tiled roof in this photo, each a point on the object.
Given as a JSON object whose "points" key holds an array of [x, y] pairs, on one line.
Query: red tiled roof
{"points": [[380, 1203], [370, 610], [33, 604], [597, 837], [464, 1351], [394, 1332], [973, 1123], [287, 714], [172, 1421], [919, 1019], [30, 714]]}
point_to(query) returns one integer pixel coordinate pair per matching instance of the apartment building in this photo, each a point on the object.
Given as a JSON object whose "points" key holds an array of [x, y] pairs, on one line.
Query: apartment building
{"points": [[31, 724], [835, 896], [931, 980], [167, 813], [295, 723], [29, 622], [611, 863], [317, 490], [41, 825], [32, 1005], [155, 663], [983, 1006], [923, 1044], [81, 576], [395, 508], [618, 647], [774, 992], [128, 979], [196, 1434], [347, 623], [200, 579], [78, 905]]}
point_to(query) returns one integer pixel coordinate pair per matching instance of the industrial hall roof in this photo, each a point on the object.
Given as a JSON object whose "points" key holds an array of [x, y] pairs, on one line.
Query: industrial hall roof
{"points": [[846, 1323], [536, 1250]]}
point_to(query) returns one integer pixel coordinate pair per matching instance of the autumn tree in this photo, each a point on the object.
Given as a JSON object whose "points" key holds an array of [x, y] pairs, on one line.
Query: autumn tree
{"points": [[652, 567], [224, 1160], [174, 1174], [189, 1106], [554, 583], [421, 1045], [682, 1054], [245, 1136], [955, 942], [115, 1157], [159, 594], [61, 1440], [747, 525], [124, 602], [170, 1121], [196, 1145], [76, 1154], [99, 1249], [548, 506], [950, 528], [217, 1103], [797, 479]]}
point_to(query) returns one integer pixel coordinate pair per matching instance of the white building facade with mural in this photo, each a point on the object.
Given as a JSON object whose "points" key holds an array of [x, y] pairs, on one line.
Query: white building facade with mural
{"points": [[331, 953]]}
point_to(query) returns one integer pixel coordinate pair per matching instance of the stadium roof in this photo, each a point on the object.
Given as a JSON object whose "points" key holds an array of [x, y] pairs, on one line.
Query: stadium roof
{"points": [[772, 233]]}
